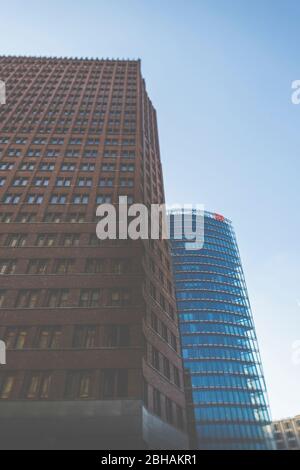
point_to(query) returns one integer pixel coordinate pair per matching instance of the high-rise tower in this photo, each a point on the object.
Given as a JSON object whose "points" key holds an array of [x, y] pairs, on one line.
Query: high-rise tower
{"points": [[93, 357], [225, 387]]}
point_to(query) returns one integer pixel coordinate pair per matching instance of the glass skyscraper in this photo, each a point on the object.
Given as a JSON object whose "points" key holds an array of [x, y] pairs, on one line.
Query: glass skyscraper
{"points": [[225, 387]]}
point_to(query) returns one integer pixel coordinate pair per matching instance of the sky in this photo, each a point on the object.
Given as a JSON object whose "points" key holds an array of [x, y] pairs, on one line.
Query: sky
{"points": [[219, 73]]}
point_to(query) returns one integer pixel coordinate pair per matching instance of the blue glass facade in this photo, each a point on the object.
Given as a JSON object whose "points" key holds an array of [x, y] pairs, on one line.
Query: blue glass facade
{"points": [[225, 385]]}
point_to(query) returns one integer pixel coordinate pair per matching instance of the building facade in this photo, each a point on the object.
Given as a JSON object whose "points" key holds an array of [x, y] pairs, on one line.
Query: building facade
{"points": [[287, 433], [226, 392], [90, 327]]}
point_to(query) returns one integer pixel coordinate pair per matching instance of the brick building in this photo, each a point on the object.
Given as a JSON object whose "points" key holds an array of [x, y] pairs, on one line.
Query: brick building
{"points": [[93, 351]]}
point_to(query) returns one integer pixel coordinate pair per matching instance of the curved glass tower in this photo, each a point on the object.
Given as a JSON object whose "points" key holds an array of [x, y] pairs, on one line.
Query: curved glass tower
{"points": [[225, 386]]}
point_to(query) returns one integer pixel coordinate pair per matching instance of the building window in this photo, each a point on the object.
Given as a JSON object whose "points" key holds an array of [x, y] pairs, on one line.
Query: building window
{"points": [[37, 385], [121, 266], [90, 298], [7, 266], [154, 322], [114, 383], [85, 337], [2, 297], [70, 240], [166, 368], [15, 338], [116, 336], [26, 217], [180, 419], [37, 266], [15, 241], [27, 299], [156, 402], [7, 382], [155, 358], [11, 199], [34, 199], [64, 266], [94, 266], [57, 298], [169, 411], [79, 385], [120, 297], [48, 338], [177, 377], [174, 342], [46, 240], [80, 199], [58, 199]]}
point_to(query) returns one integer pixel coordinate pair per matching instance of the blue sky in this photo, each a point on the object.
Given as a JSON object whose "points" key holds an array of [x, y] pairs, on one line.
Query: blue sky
{"points": [[219, 73]]}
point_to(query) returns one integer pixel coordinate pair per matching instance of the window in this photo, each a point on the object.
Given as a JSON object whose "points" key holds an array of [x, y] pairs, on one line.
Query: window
{"points": [[180, 419], [53, 217], [15, 241], [5, 218], [87, 167], [57, 298], [79, 385], [153, 291], [48, 338], [84, 182], [126, 183], [176, 377], [85, 337], [58, 199], [80, 199], [156, 402], [164, 332], [116, 336], [75, 217], [41, 182], [72, 153], [108, 167], [120, 266], [120, 297], [46, 240], [106, 182], [37, 266], [166, 368], [7, 266], [94, 265], [104, 199], [64, 266], [114, 383], [127, 168], [34, 199], [63, 182], [26, 217], [37, 385], [169, 411], [174, 342], [155, 358], [2, 297], [47, 166], [7, 382], [2, 181], [70, 240], [15, 338], [27, 299], [90, 298], [154, 322], [67, 167], [11, 198]]}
